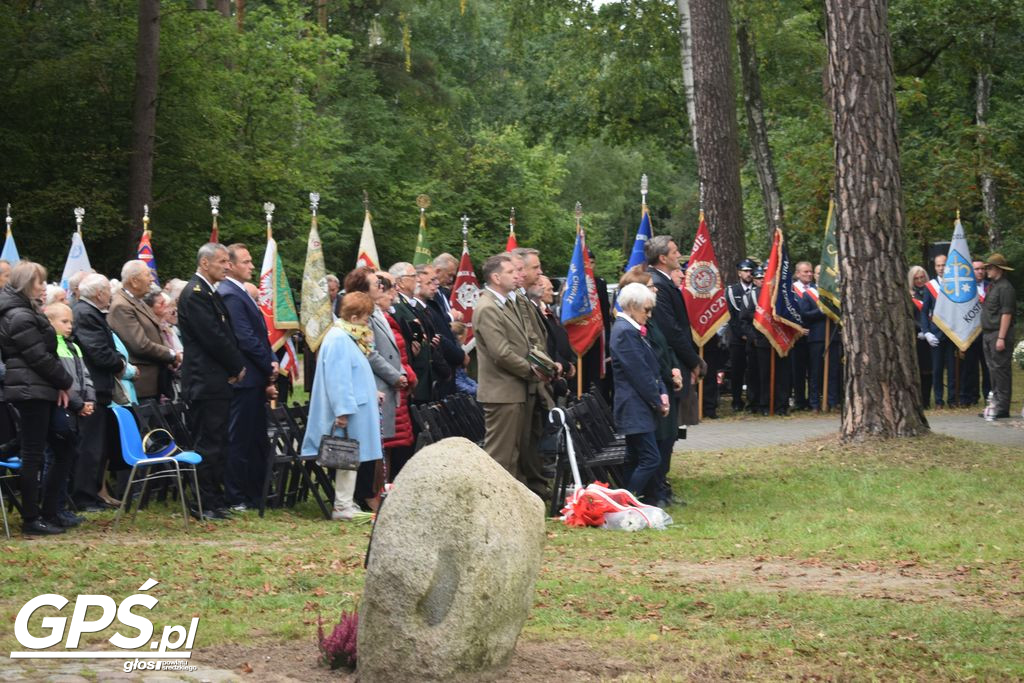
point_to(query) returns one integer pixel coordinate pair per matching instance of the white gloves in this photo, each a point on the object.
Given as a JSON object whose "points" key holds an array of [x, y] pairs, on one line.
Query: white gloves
{"points": [[931, 339]]}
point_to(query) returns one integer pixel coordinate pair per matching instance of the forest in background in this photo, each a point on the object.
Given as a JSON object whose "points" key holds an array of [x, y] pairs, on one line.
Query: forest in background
{"points": [[483, 105]]}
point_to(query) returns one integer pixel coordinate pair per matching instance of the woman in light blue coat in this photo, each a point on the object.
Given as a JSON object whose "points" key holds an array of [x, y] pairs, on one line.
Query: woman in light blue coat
{"points": [[344, 397]]}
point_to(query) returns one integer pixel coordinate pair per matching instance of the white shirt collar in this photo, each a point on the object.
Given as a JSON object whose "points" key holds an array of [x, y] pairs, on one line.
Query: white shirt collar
{"points": [[210, 284], [235, 282], [502, 299], [625, 316]]}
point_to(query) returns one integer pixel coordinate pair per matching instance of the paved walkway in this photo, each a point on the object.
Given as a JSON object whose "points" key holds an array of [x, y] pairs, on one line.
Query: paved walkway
{"points": [[750, 432]]}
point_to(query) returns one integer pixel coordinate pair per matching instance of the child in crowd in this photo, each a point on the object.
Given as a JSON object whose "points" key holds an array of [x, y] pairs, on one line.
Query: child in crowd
{"points": [[463, 382], [63, 438]]}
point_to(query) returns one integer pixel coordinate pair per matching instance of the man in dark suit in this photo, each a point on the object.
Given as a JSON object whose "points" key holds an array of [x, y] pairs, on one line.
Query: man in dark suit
{"points": [[670, 312], [416, 329], [93, 336], [447, 354], [739, 342], [446, 266], [212, 363], [246, 461]]}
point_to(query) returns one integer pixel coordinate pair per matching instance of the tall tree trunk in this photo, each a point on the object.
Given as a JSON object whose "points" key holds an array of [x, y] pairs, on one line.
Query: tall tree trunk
{"points": [[686, 55], [224, 7], [882, 390], [718, 153], [240, 14], [758, 130], [982, 93], [321, 13], [200, 5], [140, 172]]}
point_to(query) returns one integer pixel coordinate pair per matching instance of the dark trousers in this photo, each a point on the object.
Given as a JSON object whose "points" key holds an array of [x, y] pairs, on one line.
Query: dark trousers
{"points": [[800, 356], [531, 461], [63, 453], [715, 357], [972, 370], [754, 386], [816, 373], [924, 366], [943, 363], [91, 467], [738, 374], [999, 369], [659, 486], [247, 447], [782, 378], [208, 423], [644, 461], [34, 424]]}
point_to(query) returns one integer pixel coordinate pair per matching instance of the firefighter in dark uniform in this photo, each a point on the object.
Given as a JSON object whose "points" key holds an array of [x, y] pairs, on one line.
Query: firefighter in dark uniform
{"points": [[740, 340]]}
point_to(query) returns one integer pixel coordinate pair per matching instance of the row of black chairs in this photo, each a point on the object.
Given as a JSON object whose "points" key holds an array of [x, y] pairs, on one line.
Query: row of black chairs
{"points": [[455, 415], [289, 476], [600, 451]]}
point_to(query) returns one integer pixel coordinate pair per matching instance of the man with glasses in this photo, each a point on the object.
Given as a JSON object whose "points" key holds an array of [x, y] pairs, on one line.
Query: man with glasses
{"points": [[414, 322]]}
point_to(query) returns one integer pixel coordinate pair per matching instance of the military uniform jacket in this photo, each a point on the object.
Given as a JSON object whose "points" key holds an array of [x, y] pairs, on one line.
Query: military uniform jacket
{"points": [[211, 352]]}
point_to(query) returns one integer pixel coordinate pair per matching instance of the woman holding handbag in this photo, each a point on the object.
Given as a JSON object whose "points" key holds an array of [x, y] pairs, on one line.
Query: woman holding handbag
{"points": [[344, 400]]}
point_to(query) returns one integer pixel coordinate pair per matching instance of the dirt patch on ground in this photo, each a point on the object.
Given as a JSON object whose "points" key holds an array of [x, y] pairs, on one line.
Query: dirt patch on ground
{"points": [[533, 661], [904, 583]]}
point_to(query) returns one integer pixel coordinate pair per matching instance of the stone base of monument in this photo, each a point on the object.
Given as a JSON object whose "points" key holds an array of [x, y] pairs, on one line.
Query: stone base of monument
{"points": [[454, 557]]}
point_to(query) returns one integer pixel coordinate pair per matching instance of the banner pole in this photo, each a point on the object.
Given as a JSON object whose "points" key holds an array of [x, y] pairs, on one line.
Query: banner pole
{"points": [[824, 384], [579, 375], [700, 389], [771, 383]]}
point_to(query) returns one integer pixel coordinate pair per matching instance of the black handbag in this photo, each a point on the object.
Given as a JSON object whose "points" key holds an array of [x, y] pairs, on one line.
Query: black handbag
{"points": [[338, 452]]}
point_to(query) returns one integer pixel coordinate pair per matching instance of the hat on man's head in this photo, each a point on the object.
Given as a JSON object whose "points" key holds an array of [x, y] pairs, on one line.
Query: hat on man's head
{"points": [[746, 264], [759, 271], [999, 261]]}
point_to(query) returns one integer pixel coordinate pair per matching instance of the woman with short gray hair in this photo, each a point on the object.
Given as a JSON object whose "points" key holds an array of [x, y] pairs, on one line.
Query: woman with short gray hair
{"points": [[641, 396]]}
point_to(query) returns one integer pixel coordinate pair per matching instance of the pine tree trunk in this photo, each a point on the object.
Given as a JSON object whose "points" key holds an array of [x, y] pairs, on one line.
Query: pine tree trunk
{"points": [[882, 390], [200, 5], [224, 7], [718, 154], [686, 55], [321, 13], [240, 14], [758, 130], [982, 93], [140, 171]]}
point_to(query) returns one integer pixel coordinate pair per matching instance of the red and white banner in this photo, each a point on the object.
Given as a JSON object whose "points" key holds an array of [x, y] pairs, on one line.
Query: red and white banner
{"points": [[465, 291], [702, 289]]}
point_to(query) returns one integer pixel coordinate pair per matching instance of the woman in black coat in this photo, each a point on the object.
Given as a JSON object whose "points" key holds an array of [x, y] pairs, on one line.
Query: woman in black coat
{"points": [[35, 383]]}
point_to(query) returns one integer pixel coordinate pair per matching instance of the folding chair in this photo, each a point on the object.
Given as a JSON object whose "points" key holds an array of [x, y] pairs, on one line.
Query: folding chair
{"points": [[11, 466], [312, 478], [165, 466]]}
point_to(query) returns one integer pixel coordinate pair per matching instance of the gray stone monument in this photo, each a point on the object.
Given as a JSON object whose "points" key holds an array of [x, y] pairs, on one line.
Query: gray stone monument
{"points": [[455, 554]]}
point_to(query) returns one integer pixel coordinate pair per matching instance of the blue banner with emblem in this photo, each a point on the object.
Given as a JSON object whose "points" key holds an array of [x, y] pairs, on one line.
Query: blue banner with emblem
{"points": [[957, 307]]}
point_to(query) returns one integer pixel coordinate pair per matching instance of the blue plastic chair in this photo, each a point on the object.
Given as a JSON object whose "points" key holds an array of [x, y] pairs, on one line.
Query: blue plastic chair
{"points": [[12, 465], [135, 456]]}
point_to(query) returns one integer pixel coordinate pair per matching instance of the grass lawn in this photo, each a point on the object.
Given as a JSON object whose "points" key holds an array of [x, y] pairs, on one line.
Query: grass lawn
{"points": [[897, 560]]}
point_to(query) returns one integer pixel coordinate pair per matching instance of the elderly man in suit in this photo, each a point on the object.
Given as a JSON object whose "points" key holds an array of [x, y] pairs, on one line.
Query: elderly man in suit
{"points": [[138, 327], [640, 394], [247, 448], [92, 334], [507, 382], [670, 313], [211, 365]]}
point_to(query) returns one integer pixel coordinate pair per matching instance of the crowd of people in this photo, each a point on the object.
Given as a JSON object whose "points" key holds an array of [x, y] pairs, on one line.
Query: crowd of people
{"points": [[396, 341]]}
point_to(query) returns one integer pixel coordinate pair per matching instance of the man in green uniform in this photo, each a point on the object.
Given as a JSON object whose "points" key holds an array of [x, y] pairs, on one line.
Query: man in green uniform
{"points": [[997, 331]]}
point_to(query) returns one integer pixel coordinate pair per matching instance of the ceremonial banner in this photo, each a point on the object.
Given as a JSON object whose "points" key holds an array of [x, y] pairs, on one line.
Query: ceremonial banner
{"points": [[777, 316], [275, 300], [145, 250], [957, 307], [10, 252], [581, 310], [828, 280], [511, 243], [317, 317], [367, 246], [77, 259], [702, 289], [422, 254], [465, 291], [289, 364], [643, 233]]}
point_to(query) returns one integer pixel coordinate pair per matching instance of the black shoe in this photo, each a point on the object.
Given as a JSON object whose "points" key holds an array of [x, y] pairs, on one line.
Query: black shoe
{"points": [[710, 416], [66, 519], [40, 527], [92, 507], [1000, 416], [222, 513], [208, 515]]}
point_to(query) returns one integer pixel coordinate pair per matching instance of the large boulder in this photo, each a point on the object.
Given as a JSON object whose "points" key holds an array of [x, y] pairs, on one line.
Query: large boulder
{"points": [[454, 556]]}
